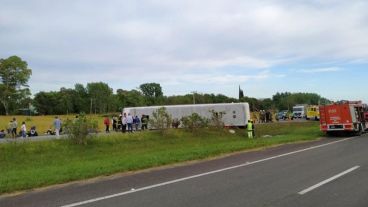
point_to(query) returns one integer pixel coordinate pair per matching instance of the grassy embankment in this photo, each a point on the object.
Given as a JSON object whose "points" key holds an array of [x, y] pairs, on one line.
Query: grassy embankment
{"points": [[28, 165]]}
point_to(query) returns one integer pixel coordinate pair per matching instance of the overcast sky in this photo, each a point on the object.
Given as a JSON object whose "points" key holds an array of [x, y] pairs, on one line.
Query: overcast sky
{"points": [[208, 46]]}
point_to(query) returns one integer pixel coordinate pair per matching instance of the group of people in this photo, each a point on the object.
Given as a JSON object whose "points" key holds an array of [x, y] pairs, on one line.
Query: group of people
{"points": [[12, 129], [265, 116], [126, 123]]}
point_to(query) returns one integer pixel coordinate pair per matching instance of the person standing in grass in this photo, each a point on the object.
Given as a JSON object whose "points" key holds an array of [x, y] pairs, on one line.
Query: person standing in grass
{"points": [[123, 123], [10, 126], [57, 126], [250, 129], [144, 121], [107, 124], [23, 130], [137, 122], [130, 123], [114, 124], [14, 128]]}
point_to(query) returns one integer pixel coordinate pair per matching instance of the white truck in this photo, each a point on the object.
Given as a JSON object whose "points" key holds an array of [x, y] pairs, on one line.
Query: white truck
{"points": [[236, 114], [299, 111]]}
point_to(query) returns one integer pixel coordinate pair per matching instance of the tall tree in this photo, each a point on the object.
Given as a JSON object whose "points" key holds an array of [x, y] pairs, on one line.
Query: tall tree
{"points": [[130, 98], [152, 93], [100, 94], [47, 102], [82, 101], [14, 76]]}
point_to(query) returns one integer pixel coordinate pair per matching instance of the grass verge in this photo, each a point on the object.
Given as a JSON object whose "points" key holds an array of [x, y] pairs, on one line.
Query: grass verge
{"points": [[29, 165]]}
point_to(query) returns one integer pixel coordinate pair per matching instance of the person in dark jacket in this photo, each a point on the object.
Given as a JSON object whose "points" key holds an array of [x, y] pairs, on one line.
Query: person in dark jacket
{"points": [[144, 121]]}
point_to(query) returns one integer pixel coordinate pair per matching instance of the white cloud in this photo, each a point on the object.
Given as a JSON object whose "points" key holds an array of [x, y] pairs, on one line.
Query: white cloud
{"points": [[320, 70], [175, 41]]}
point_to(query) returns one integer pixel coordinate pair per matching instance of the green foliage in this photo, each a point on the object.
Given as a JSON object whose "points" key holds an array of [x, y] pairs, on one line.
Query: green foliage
{"points": [[160, 120], [194, 122], [100, 94], [14, 76], [152, 93], [99, 98], [43, 101], [58, 161], [131, 98], [216, 119], [80, 129], [287, 100], [199, 99], [81, 100]]}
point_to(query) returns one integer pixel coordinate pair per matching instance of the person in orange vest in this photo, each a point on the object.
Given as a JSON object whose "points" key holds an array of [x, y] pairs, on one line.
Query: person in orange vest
{"points": [[107, 124], [250, 129]]}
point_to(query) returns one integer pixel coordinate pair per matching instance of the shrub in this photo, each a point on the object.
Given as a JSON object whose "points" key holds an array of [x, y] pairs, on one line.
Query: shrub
{"points": [[175, 123], [161, 120], [80, 129], [216, 119], [194, 122]]}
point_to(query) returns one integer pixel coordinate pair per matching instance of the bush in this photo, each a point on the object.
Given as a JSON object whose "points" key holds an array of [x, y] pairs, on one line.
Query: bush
{"points": [[216, 119], [161, 120], [194, 122], [80, 129]]}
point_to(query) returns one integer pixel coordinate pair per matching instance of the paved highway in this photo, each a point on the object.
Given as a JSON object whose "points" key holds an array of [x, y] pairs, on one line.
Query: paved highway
{"points": [[329, 172]]}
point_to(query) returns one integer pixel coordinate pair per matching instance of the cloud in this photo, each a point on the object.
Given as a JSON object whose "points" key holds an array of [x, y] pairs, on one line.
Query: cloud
{"points": [[320, 70], [175, 42]]}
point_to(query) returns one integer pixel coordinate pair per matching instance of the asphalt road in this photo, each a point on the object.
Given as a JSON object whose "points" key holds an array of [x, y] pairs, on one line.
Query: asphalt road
{"points": [[330, 172]]}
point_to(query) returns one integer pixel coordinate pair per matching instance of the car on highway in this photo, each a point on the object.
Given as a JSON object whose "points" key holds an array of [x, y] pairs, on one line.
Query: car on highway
{"points": [[282, 115]]}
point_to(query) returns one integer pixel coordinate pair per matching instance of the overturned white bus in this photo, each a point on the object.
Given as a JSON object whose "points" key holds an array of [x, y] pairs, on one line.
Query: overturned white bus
{"points": [[236, 114]]}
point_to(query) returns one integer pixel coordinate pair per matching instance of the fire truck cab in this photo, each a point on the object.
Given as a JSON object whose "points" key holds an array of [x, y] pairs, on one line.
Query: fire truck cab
{"points": [[344, 116]]}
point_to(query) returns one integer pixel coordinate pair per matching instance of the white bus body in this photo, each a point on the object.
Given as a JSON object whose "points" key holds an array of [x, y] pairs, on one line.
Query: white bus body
{"points": [[236, 114]]}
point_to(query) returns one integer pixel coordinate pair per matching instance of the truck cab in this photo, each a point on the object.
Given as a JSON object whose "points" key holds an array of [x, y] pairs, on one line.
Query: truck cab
{"points": [[299, 112]]}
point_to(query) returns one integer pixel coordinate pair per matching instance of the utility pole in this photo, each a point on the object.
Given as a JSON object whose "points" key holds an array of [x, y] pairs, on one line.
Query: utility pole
{"points": [[194, 92]]}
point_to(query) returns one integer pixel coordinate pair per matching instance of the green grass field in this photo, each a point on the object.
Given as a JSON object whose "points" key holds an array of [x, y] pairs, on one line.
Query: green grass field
{"points": [[43, 123], [28, 165]]}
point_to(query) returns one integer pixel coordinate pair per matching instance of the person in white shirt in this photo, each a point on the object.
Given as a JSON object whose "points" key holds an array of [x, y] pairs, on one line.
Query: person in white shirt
{"points": [[57, 125], [130, 122], [123, 123], [23, 130]]}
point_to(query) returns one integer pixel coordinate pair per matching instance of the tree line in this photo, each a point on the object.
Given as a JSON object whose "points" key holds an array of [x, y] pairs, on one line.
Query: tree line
{"points": [[100, 98]]}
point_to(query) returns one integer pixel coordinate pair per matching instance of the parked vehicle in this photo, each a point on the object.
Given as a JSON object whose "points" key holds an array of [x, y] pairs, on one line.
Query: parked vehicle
{"points": [[282, 115], [236, 114], [344, 116], [313, 113], [299, 111]]}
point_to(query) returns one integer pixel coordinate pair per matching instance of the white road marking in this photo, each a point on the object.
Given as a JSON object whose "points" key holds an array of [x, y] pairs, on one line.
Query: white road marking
{"points": [[328, 180], [199, 175]]}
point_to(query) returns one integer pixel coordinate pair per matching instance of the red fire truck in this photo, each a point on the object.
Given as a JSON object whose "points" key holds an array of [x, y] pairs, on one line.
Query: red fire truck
{"points": [[344, 116]]}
